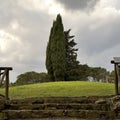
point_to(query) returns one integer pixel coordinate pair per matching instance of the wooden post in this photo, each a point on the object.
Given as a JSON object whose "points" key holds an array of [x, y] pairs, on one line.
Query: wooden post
{"points": [[116, 80], [5, 76], [7, 85], [116, 63]]}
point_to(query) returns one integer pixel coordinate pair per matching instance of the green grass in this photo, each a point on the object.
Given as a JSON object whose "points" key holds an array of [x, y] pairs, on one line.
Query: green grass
{"points": [[62, 89]]}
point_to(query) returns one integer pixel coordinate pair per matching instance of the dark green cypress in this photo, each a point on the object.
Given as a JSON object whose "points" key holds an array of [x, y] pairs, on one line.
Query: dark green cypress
{"points": [[56, 52], [59, 51], [48, 56]]}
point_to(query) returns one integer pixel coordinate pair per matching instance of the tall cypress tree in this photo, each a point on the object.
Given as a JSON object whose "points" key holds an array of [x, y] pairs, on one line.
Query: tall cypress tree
{"points": [[48, 56], [56, 51]]}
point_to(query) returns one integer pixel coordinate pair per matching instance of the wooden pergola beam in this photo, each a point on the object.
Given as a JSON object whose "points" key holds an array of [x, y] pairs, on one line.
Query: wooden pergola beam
{"points": [[4, 68]]}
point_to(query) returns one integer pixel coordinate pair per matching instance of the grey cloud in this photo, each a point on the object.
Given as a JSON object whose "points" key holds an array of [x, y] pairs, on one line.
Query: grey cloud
{"points": [[94, 42], [101, 39], [33, 35], [97, 46], [79, 4], [8, 10]]}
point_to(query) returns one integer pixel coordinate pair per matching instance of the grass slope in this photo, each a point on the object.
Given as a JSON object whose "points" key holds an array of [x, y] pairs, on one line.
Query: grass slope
{"points": [[66, 89]]}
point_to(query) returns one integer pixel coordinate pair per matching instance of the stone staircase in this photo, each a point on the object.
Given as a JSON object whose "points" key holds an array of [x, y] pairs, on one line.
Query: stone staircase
{"points": [[59, 107]]}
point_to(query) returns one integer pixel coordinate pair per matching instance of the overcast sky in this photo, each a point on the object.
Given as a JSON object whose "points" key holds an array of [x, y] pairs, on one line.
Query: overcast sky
{"points": [[25, 27]]}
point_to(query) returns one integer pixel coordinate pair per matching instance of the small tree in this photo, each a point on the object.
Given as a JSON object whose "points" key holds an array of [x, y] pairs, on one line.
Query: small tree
{"points": [[112, 77], [98, 73], [31, 77]]}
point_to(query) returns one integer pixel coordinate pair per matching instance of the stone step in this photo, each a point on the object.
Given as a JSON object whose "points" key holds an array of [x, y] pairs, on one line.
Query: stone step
{"points": [[57, 100], [65, 118], [82, 114], [54, 106]]}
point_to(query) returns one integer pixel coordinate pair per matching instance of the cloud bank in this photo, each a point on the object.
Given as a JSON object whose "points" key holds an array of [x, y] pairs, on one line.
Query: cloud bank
{"points": [[25, 27]]}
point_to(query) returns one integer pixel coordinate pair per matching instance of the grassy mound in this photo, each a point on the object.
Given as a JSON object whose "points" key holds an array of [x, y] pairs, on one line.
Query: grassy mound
{"points": [[63, 89]]}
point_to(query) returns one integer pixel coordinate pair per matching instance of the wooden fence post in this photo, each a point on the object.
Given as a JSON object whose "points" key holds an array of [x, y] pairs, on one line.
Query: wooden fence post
{"points": [[116, 63], [116, 80], [4, 76], [7, 86]]}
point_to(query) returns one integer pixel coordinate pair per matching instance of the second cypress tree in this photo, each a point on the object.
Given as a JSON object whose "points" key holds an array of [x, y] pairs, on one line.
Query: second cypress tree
{"points": [[72, 65]]}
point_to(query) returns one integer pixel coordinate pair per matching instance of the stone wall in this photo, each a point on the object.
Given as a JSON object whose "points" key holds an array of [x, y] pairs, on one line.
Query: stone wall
{"points": [[2, 107]]}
